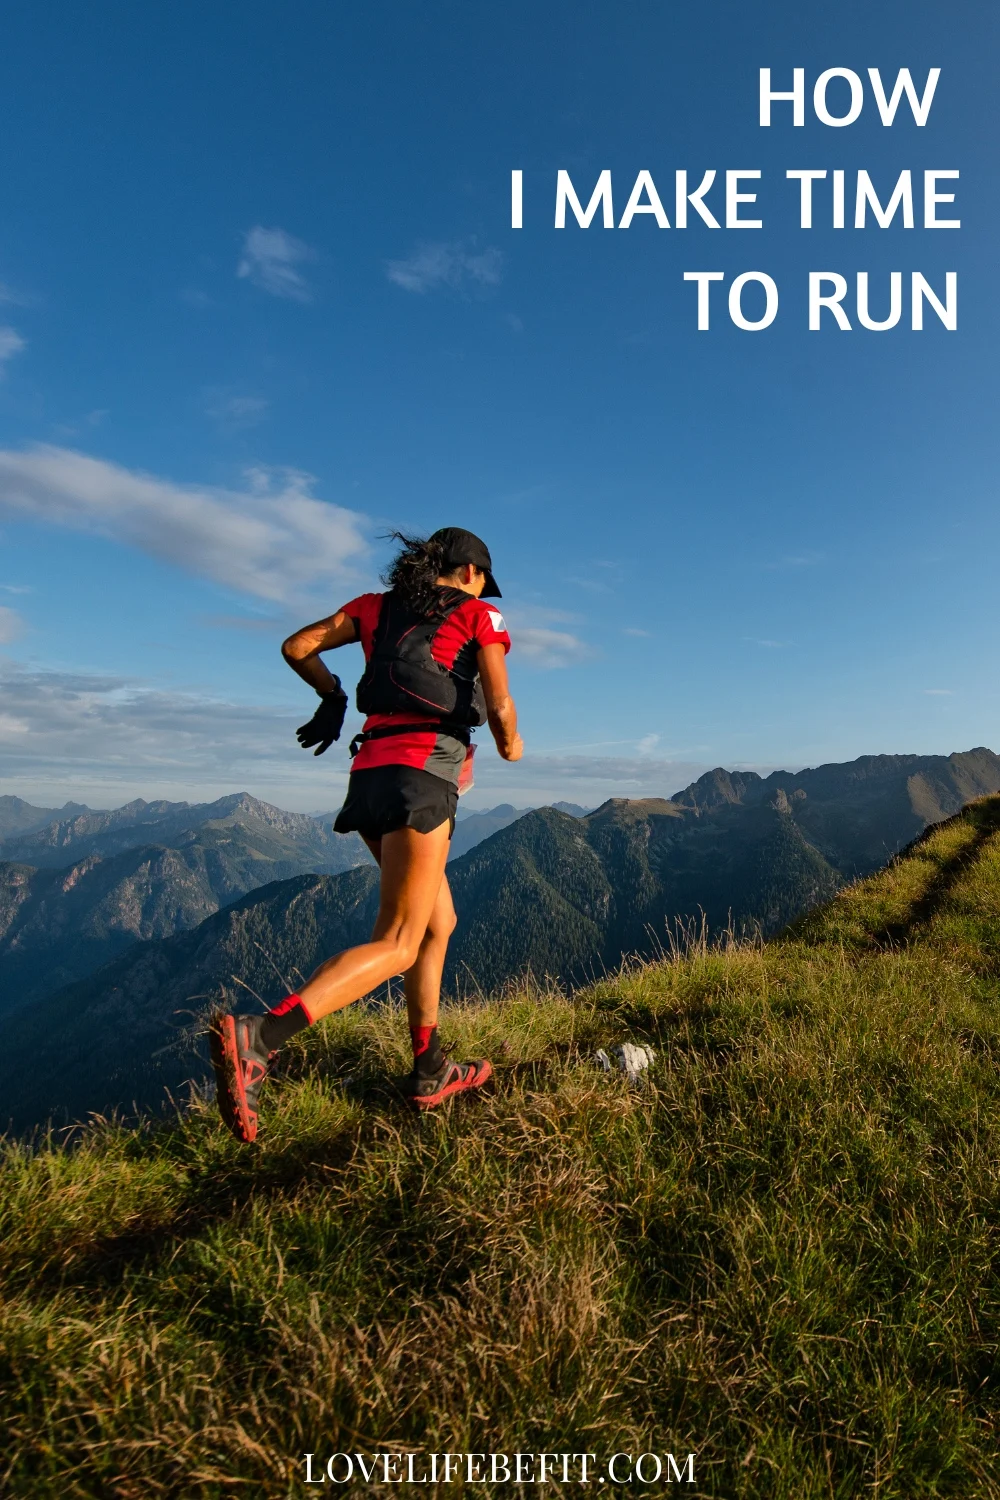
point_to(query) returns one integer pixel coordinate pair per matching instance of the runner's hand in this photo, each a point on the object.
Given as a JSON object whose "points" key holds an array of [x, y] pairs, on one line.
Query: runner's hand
{"points": [[326, 723], [514, 750]]}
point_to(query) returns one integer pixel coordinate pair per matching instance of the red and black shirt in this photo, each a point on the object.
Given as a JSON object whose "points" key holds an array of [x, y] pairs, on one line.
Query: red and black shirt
{"points": [[457, 640]]}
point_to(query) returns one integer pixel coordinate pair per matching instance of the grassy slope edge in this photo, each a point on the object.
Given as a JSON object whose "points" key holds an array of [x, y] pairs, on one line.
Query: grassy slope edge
{"points": [[781, 1254]]}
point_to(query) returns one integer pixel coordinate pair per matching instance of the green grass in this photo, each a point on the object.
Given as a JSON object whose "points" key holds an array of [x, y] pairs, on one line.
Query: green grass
{"points": [[782, 1254]]}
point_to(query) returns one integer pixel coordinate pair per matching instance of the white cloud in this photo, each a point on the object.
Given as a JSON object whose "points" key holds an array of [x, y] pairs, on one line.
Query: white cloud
{"points": [[270, 258], [273, 540], [648, 744], [104, 739], [939, 692], [549, 648], [631, 630], [13, 298], [11, 343], [626, 770], [11, 624], [452, 265], [65, 729], [588, 779], [535, 642]]}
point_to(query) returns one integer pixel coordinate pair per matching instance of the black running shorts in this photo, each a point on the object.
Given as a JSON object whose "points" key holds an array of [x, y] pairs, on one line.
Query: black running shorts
{"points": [[382, 799]]}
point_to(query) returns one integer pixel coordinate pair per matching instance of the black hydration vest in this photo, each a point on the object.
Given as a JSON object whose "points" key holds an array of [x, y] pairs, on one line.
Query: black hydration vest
{"points": [[401, 675]]}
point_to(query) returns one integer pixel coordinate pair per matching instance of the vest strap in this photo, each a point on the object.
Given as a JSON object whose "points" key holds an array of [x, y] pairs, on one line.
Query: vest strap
{"points": [[458, 732]]}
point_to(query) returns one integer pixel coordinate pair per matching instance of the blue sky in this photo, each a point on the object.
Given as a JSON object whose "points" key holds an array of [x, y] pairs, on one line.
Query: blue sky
{"points": [[262, 300]]}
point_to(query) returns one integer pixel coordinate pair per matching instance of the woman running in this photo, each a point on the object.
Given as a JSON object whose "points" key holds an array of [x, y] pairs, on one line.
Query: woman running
{"points": [[434, 669]]}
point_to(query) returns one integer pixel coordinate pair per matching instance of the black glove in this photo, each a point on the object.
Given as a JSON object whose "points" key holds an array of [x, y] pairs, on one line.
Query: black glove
{"points": [[326, 723]]}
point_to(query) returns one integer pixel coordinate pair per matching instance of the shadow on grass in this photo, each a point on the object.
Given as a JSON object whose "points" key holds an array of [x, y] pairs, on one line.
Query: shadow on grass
{"points": [[813, 927], [985, 817], [219, 1192]]}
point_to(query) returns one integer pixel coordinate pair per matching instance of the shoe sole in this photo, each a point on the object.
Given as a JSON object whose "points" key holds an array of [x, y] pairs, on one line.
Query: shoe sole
{"points": [[240, 1120], [431, 1101]]}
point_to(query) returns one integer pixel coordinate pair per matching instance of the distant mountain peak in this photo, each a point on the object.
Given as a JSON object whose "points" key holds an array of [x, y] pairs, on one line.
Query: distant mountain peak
{"points": [[716, 788], [629, 809]]}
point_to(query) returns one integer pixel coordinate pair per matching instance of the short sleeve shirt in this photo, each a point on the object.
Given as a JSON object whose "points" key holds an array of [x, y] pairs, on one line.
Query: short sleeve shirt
{"points": [[455, 644]]}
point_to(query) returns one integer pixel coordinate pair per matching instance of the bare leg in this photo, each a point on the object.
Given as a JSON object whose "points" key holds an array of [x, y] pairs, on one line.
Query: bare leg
{"points": [[422, 983], [412, 866], [422, 980]]}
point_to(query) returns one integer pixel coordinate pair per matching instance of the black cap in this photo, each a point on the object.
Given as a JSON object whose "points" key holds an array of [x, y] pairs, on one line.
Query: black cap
{"points": [[461, 547]]}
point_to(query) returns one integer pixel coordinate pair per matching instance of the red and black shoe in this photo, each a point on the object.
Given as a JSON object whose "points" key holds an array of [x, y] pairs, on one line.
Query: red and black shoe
{"points": [[427, 1090], [240, 1063]]}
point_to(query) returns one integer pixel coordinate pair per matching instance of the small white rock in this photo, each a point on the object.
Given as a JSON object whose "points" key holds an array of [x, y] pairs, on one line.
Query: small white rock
{"points": [[628, 1057]]}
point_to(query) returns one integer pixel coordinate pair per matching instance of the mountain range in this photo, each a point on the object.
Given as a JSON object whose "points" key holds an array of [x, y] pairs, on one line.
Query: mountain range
{"points": [[565, 896], [18, 817], [472, 827], [77, 890], [78, 886]]}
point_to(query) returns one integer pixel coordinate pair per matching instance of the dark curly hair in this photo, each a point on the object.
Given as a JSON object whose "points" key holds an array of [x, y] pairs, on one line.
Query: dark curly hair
{"points": [[414, 572]]}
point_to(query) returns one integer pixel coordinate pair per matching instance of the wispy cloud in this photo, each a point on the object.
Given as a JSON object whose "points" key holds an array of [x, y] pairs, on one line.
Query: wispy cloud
{"points": [[940, 692], [456, 265], [538, 644], [11, 343], [73, 429], [631, 630], [234, 413], [270, 260], [111, 737], [648, 744], [272, 539], [588, 779], [593, 778], [621, 770], [546, 648], [193, 296], [16, 588], [11, 625], [606, 584], [70, 727], [11, 297], [768, 645]]}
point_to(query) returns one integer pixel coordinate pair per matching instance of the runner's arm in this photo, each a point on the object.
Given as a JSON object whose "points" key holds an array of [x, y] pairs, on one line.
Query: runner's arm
{"points": [[500, 711], [302, 650]]}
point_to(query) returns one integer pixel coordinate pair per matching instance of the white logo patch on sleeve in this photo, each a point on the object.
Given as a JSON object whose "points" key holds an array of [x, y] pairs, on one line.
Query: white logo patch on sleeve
{"points": [[497, 620]]}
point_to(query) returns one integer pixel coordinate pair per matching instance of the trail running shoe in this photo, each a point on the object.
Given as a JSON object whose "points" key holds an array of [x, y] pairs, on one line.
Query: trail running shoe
{"points": [[240, 1063], [430, 1089]]}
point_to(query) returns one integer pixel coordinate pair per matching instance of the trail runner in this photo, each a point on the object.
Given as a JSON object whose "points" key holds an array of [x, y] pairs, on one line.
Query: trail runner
{"points": [[434, 669]]}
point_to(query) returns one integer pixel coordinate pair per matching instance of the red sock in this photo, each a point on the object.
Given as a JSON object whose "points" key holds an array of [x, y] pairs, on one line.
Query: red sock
{"points": [[427, 1054], [284, 1021]]}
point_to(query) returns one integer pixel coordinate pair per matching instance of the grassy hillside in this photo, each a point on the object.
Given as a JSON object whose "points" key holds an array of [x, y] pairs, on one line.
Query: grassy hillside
{"points": [[781, 1254]]}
